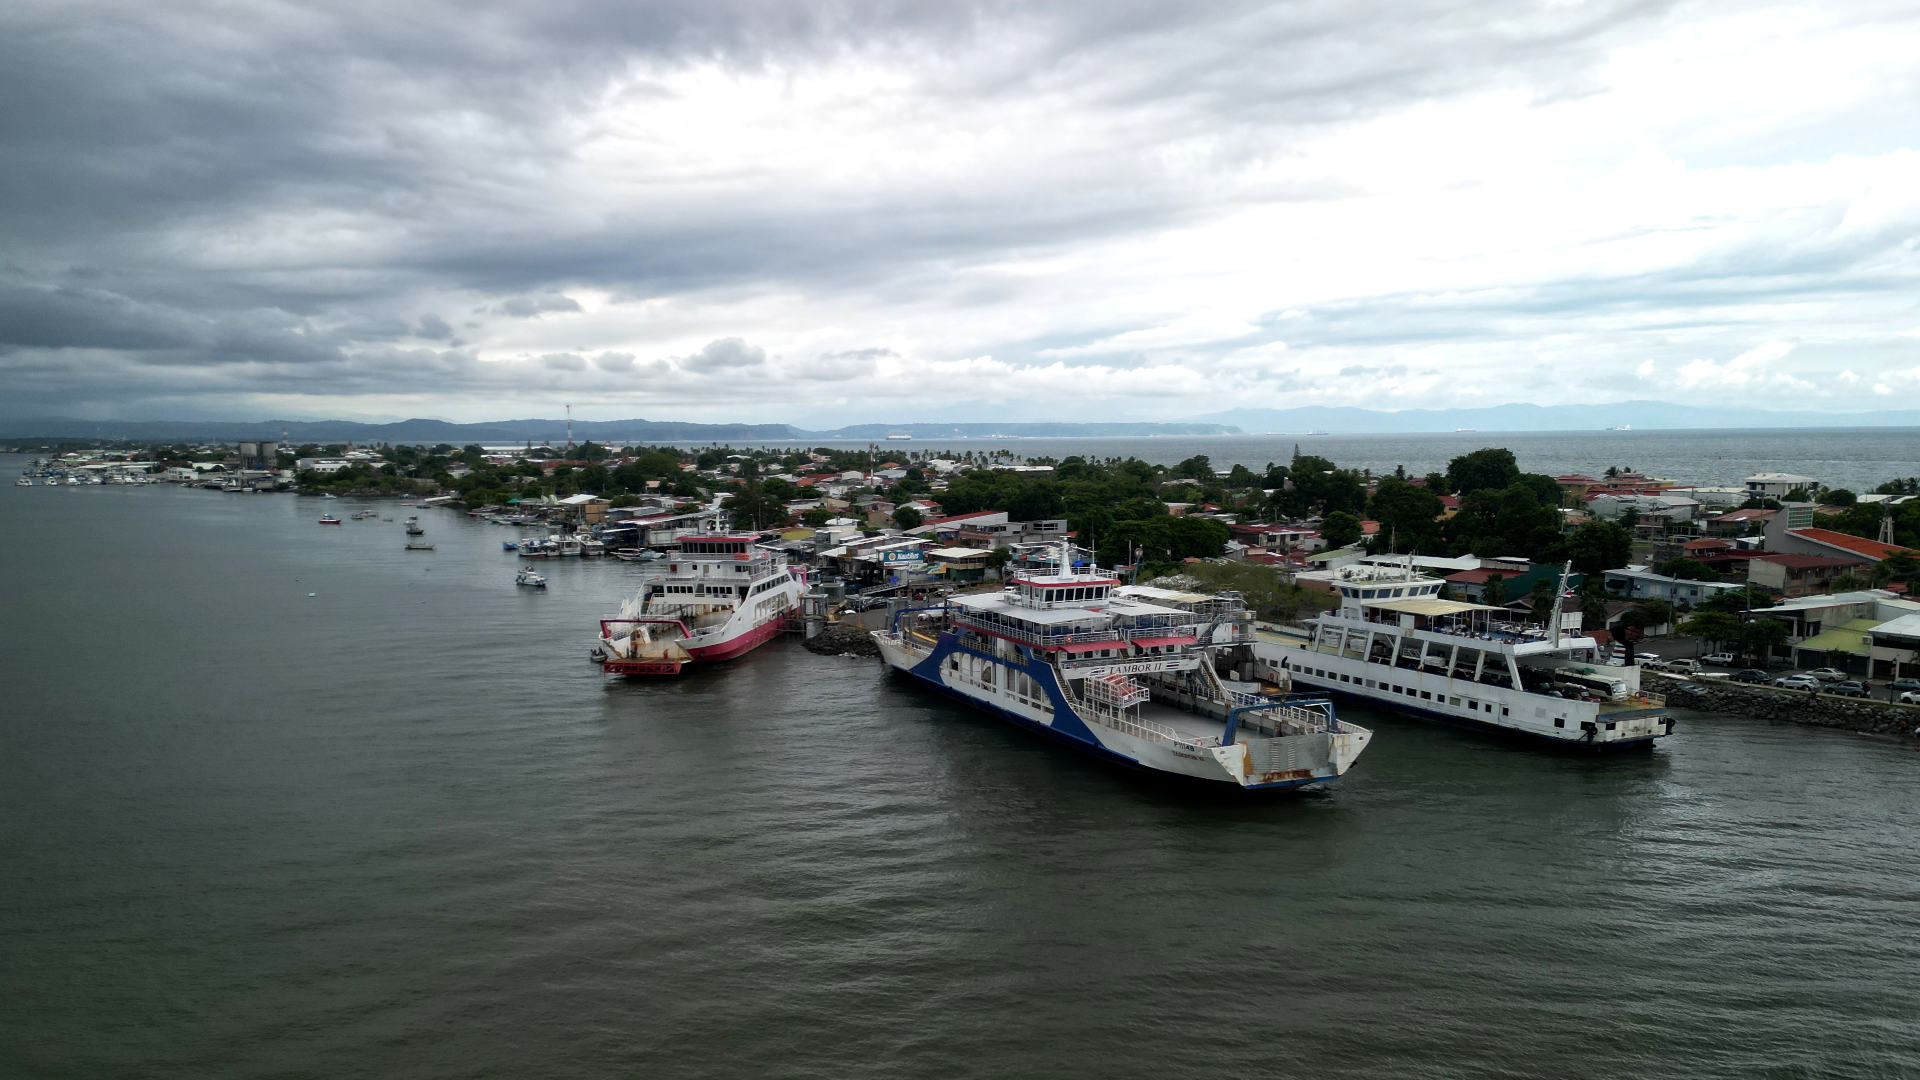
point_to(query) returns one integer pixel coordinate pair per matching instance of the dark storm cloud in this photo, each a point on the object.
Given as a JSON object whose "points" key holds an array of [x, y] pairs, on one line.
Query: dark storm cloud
{"points": [[60, 317], [529, 307], [277, 191], [725, 354]]}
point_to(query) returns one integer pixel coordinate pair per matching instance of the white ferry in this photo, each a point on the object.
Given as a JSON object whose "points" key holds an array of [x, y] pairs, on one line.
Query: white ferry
{"points": [[716, 598], [1394, 642], [1076, 657]]}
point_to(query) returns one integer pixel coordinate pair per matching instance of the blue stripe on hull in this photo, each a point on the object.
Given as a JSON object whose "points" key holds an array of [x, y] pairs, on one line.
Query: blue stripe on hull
{"points": [[1470, 724], [1094, 749]]}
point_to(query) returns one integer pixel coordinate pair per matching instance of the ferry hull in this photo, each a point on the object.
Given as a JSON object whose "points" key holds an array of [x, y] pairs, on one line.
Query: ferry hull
{"points": [[646, 667], [1299, 664], [1519, 736], [1215, 768]]}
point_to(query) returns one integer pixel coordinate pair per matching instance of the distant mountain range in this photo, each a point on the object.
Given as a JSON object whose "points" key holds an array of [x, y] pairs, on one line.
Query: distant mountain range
{"points": [[615, 432], [1638, 415]]}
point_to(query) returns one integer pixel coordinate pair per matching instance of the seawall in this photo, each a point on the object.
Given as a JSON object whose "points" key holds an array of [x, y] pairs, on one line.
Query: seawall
{"points": [[1789, 706]]}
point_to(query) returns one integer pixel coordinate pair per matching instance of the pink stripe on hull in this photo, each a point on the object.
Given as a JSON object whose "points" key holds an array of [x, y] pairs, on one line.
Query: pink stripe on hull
{"points": [[745, 643]]}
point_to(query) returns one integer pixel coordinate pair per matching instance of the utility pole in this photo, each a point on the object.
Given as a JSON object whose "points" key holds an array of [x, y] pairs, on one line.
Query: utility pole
{"points": [[569, 432]]}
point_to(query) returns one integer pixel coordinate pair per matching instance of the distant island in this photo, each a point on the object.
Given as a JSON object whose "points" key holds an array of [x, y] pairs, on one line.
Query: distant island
{"points": [[1634, 416]]}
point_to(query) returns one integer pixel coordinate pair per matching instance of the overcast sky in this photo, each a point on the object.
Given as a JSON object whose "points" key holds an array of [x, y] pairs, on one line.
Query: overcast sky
{"points": [[823, 213]]}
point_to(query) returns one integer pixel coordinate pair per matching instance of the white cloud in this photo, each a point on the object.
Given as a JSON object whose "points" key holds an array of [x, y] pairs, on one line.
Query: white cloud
{"points": [[1167, 211]]}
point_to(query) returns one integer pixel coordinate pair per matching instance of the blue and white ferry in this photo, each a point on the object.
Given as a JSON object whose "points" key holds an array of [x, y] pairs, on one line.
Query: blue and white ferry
{"points": [[1123, 674]]}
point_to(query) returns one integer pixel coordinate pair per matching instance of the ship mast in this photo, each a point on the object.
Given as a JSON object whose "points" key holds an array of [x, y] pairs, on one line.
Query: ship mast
{"points": [[1559, 595]]}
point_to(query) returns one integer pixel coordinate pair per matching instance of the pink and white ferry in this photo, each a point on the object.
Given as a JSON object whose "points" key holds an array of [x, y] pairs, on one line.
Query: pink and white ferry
{"points": [[715, 598]]}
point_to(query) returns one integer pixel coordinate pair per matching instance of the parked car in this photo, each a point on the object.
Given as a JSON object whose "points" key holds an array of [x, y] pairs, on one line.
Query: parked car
{"points": [[1911, 697], [1827, 674], [1797, 682], [1719, 659], [1848, 688], [1752, 675], [1901, 686], [1684, 665]]}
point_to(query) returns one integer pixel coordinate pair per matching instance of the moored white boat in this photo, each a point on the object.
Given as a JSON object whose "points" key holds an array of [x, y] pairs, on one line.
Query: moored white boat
{"points": [[527, 577], [1123, 676], [1393, 642]]}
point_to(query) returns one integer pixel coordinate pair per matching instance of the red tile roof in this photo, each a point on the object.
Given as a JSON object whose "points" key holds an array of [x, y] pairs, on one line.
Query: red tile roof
{"points": [[1805, 562], [1858, 545]]}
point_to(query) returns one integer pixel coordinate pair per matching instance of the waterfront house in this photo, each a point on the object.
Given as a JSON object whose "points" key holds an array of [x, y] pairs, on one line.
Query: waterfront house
{"points": [[1773, 485]]}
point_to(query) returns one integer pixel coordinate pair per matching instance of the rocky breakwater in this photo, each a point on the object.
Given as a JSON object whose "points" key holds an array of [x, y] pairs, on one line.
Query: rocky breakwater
{"points": [[843, 639], [1788, 706]]}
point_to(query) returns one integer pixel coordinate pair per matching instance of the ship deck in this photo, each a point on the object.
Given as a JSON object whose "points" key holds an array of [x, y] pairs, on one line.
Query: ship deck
{"points": [[1204, 728]]}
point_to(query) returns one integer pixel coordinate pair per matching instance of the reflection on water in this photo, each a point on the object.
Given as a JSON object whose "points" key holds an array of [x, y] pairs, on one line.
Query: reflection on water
{"points": [[404, 821]]}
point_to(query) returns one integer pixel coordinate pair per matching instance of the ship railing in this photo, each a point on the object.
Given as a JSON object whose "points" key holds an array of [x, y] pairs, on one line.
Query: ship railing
{"points": [[1047, 638], [1148, 729], [1639, 699], [1311, 715]]}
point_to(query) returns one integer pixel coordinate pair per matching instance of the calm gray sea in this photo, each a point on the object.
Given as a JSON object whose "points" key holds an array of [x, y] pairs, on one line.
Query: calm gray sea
{"points": [[286, 800], [1855, 458]]}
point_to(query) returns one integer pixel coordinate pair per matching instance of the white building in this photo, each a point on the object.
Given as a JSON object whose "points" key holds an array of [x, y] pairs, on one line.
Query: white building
{"points": [[1775, 485]]}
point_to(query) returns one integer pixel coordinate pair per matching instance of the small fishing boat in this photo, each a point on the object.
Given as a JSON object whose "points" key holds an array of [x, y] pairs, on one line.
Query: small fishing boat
{"points": [[419, 545], [329, 519], [528, 577], [509, 545]]}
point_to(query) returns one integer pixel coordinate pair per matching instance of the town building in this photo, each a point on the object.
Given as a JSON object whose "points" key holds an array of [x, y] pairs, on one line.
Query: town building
{"points": [[1775, 485], [1641, 584], [1791, 574]]}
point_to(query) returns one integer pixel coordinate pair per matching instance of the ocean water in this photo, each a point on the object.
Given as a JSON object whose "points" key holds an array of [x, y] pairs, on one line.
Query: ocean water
{"points": [[1854, 458], [284, 800]]}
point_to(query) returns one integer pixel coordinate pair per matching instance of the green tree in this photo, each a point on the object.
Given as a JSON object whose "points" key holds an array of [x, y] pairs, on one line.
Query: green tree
{"points": [[1718, 627], [1542, 598], [1840, 497], [1759, 637], [1408, 515], [1593, 604], [816, 518], [1689, 569], [1491, 469], [1900, 567], [1494, 592], [906, 517], [752, 508], [1196, 467], [1848, 581], [1340, 529]]}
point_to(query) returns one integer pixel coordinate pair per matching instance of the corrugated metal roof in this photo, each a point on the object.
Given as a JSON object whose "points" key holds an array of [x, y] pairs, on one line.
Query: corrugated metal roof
{"points": [[1843, 639], [1430, 607]]}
